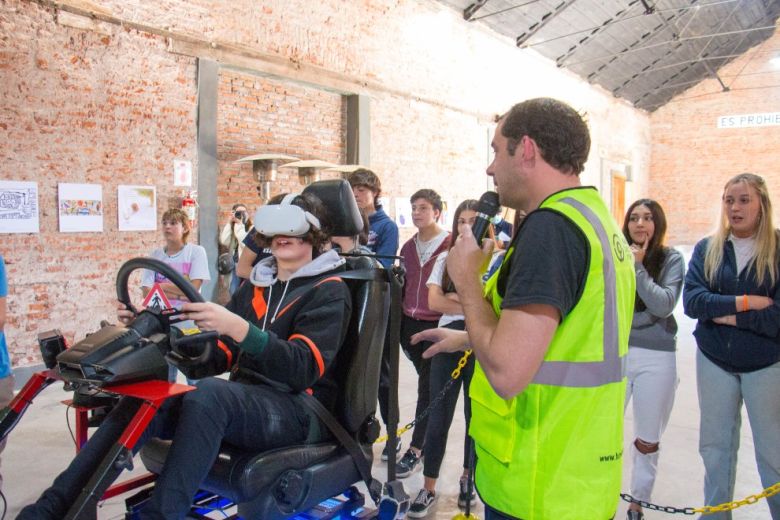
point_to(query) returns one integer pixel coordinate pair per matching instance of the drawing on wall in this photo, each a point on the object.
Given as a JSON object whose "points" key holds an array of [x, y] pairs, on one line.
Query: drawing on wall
{"points": [[19, 207], [403, 212], [137, 207], [80, 207]]}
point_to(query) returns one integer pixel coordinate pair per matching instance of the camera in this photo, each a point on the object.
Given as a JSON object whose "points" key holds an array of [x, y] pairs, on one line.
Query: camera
{"points": [[240, 215]]}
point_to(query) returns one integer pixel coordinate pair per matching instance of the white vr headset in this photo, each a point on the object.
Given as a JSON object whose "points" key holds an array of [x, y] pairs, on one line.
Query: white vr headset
{"points": [[284, 219]]}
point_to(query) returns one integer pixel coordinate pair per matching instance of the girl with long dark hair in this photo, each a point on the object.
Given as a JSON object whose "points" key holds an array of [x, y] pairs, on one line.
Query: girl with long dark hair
{"points": [[652, 365]]}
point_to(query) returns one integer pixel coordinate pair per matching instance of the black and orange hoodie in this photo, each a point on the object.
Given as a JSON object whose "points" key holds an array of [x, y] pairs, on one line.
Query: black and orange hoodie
{"points": [[296, 327]]}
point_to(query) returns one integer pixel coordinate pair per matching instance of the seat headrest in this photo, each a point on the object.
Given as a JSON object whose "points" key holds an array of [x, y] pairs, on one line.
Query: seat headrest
{"points": [[339, 201]]}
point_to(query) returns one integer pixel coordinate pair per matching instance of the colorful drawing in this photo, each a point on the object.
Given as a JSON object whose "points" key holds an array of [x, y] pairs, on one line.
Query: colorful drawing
{"points": [[80, 207]]}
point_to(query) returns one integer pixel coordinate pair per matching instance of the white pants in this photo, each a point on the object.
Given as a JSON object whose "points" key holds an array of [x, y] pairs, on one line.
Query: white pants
{"points": [[652, 380]]}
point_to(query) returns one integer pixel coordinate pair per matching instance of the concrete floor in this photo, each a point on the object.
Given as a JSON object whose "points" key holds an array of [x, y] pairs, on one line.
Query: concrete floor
{"points": [[41, 446]]}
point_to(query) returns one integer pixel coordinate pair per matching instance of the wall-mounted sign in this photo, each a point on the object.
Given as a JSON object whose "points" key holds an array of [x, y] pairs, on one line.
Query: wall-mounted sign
{"points": [[749, 120], [182, 173]]}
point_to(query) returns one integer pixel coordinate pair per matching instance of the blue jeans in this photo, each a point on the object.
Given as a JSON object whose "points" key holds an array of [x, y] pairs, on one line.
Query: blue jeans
{"points": [[721, 394], [252, 417]]}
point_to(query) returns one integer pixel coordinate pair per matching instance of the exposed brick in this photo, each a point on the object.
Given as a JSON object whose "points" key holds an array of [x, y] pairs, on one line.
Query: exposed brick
{"points": [[115, 107], [692, 158]]}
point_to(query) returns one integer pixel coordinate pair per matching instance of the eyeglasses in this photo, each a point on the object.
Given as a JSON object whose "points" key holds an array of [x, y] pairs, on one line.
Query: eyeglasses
{"points": [[637, 218]]}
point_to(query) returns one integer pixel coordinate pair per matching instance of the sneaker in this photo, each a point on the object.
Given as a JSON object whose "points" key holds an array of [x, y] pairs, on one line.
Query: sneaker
{"points": [[634, 515], [386, 450], [464, 496], [422, 504], [408, 464]]}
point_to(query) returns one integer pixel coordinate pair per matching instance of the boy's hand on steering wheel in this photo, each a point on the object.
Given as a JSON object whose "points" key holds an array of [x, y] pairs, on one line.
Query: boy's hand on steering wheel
{"points": [[211, 316], [124, 314]]}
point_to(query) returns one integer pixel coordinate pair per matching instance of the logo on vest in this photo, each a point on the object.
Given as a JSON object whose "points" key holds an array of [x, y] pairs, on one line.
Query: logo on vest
{"points": [[619, 245]]}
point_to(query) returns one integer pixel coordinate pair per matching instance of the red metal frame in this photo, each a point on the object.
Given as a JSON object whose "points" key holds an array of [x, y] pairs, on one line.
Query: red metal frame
{"points": [[153, 393]]}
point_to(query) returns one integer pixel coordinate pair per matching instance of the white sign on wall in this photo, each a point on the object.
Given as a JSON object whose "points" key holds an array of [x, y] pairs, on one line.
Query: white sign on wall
{"points": [[749, 120]]}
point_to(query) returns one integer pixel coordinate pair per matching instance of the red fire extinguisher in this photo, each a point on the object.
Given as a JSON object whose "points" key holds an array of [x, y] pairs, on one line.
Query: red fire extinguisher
{"points": [[189, 204]]}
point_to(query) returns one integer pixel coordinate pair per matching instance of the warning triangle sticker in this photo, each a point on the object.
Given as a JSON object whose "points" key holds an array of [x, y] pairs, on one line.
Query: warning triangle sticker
{"points": [[156, 299]]}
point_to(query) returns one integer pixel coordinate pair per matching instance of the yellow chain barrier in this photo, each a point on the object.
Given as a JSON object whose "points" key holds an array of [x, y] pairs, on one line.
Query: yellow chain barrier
{"points": [[455, 375], [730, 506]]}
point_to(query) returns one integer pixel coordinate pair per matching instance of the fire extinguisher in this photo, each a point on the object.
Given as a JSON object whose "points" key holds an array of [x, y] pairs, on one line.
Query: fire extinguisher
{"points": [[189, 205]]}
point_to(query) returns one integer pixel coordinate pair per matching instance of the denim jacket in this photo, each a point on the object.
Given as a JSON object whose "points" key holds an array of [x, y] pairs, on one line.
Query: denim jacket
{"points": [[755, 342]]}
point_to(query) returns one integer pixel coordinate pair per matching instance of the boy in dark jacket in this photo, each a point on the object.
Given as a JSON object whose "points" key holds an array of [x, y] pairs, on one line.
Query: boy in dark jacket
{"points": [[280, 332]]}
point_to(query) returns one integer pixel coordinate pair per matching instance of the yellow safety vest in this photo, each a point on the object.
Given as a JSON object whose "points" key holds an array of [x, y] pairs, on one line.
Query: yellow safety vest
{"points": [[554, 452]]}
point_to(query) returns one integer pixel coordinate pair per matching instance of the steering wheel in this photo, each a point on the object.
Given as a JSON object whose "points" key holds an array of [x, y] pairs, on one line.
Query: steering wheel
{"points": [[206, 339]]}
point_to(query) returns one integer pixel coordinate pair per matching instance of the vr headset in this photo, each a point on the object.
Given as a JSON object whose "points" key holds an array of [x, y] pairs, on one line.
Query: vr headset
{"points": [[284, 219]]}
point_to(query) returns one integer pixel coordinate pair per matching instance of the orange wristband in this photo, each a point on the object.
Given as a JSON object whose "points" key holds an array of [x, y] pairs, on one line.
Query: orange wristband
{"points": [[745, 307]]}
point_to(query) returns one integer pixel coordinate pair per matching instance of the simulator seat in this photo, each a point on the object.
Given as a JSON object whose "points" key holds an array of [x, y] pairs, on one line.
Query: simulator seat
{"points": [[281, 482]]}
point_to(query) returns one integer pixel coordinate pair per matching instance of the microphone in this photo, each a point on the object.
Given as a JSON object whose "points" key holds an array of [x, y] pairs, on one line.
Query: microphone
{"points": [[486, 210]]}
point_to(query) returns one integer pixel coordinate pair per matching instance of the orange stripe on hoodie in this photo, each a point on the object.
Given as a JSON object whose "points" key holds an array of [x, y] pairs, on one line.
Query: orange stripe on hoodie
{"points": [[314, 350]]}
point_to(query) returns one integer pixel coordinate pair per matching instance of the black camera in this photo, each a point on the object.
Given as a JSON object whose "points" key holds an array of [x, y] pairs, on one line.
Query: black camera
{"points": [[241, 215]]}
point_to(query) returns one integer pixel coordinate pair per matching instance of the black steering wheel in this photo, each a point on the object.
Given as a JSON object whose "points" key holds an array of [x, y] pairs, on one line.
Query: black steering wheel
{"points": [[206, 340]]}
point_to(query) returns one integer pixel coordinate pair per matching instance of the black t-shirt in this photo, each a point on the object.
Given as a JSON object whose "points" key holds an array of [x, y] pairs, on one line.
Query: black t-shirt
{"points": [[549, 264]]}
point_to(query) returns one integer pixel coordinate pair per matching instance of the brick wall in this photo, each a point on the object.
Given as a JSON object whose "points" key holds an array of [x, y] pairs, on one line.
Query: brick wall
{"points": [[261, 115], [85, 107], [692, 158], [99, 102]]}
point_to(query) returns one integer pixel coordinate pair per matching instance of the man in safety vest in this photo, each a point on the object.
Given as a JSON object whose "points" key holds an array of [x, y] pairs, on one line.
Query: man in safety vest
{"points": [[550, 332]]}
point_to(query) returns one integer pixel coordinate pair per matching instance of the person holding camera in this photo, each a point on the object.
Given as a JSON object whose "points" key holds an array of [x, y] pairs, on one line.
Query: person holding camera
{"points": [[232, 238]]}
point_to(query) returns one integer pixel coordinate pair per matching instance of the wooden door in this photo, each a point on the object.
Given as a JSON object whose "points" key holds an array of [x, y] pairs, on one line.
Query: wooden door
{"points": [[618, 198]]}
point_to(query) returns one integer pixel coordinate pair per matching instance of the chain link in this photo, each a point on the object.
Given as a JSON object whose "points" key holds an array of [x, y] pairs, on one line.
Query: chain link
{"points": [[455, 375], [706, 510], [752, 499], [655, 507]]}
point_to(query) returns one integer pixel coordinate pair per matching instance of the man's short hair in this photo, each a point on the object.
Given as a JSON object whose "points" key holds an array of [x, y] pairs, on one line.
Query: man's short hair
{"points": [[429, 195], [559, 131], [367, 178]]}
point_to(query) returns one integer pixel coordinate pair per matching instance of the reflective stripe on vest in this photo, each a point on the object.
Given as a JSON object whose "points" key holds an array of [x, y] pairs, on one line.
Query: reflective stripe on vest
{"points": [[612, 368]]}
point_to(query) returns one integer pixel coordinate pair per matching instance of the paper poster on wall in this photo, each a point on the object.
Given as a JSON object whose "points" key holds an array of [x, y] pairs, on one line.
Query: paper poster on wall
{"points": [[403, 212], [182, 173], [137, 207], [18, 207], [80, 207]]}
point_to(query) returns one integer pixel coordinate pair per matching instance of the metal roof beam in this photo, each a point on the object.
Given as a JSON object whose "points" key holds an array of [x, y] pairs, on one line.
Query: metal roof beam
{"points": [[473, 8], [646, 36], [547, 18], [614, 19], [715, 75], [668, 42]]}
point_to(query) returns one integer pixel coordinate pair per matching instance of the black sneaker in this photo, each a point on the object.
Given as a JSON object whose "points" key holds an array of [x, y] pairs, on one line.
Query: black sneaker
{"points": [[397, 449], [408, 464], [464, 496], [634, 515], [423, 504]]}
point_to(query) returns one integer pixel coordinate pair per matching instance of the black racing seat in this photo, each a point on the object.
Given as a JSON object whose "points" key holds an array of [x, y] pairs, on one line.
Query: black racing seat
{"points": [[279, 483]]}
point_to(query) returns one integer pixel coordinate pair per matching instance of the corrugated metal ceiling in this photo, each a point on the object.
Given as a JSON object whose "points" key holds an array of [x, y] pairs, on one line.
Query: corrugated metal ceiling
{"points": [[646, 51]]}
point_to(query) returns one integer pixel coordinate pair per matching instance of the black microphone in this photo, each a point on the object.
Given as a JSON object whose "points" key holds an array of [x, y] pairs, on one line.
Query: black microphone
{"points": [[486, 210]]}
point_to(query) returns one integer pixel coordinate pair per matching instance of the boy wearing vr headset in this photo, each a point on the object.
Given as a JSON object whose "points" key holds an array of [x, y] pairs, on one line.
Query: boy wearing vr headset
{"points": [[279, 333]]}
